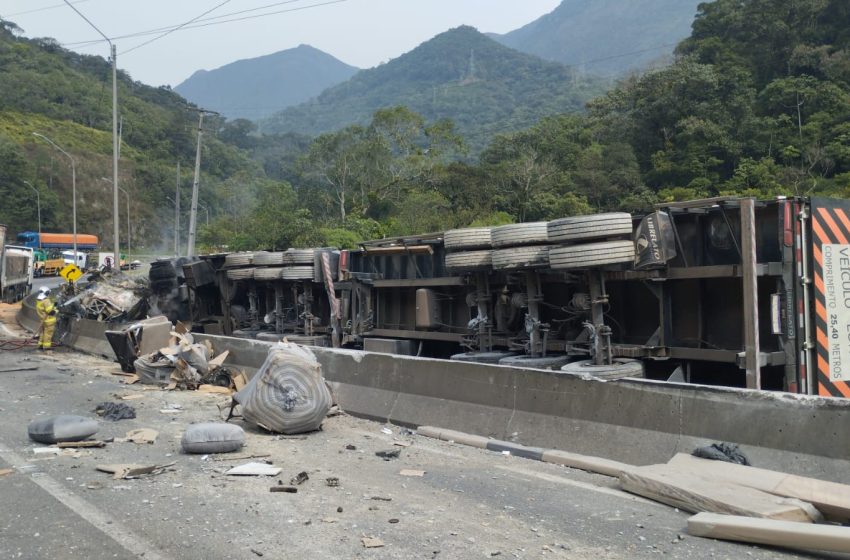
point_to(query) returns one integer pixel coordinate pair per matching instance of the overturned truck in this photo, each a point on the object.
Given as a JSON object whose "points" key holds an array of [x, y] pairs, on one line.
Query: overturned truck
{"points": [[726, 291]]}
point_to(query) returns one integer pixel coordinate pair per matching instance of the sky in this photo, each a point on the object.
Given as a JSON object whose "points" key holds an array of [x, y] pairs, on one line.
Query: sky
{"points": [[363, 33]]}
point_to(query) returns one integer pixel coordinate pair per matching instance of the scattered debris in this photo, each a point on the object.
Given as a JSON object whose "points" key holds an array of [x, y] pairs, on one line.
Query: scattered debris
{"points": [[286, 489], [727, 452], [115, 411], [411, 472], [212, 437], [339, 509], [4, 472], [332, 481], [257, 552], [79, 444], [387, 431], [351, 447], [21, 368], [46, 450], [54, 429], [402, 443], [142, 436], [254, 469], [372, 542], [132, 397], [329, 520], [381, 499], [300, 478], [241, 457], [389, 454], [215, 389], [132, 471], [393, 520]]}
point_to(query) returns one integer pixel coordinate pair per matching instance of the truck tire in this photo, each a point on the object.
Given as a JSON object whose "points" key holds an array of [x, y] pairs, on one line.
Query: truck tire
{"points": [[543, 362], [591, 254], [297, 273], [468, 238], [240, 274], [469, 260], [265, 258], [298, 256], [268, 273], [534, 256], [595, 226], [233, 260], [482, 357], [622, 367], [515, 235]]}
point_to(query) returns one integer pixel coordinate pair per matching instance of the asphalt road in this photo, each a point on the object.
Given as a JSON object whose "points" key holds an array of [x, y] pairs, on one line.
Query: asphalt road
{"points": [[470, 503]]}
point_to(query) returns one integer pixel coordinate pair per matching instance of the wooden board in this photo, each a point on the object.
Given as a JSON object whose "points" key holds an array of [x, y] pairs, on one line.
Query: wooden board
{"points": [[586, 462], [675, 487], [831, 498], [770, 532]]}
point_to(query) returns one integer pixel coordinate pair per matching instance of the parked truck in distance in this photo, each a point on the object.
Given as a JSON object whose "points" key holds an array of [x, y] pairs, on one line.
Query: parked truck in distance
{"points": [[16, 270], [35, 240]]}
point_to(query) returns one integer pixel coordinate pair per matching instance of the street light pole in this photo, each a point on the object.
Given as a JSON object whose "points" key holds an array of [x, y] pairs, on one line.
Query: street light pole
{"points": [[113, 50], [38, 203], [177, 214], [193, 213], [128, 224], [73, 186]]}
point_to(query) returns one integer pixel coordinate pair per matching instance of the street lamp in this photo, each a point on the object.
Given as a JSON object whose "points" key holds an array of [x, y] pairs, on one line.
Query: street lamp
{"points": [[38, 204], [73, 186], [118, 258], [176, 225]]}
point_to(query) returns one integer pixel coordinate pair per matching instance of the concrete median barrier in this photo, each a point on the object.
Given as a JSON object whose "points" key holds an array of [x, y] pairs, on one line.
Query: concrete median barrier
{"points": [[633, 421]]}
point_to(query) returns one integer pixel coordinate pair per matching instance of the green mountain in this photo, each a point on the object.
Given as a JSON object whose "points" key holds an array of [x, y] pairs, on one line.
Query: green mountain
{"points": [[463, 75], [67, 97], [258, 87], [606, 37]]}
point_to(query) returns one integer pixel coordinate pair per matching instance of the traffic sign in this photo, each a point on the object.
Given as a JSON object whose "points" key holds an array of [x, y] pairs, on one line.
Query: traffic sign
{"points": [[71, 273]]}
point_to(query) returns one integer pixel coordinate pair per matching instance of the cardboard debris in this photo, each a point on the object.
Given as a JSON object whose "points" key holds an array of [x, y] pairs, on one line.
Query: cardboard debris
{"points": [[372, 542], [142, 435], [218, 361], [411, 472], [239, 380], [240, 457], [254, 469], [120, 471], [214, 389], [132, 397], [4, 472]]}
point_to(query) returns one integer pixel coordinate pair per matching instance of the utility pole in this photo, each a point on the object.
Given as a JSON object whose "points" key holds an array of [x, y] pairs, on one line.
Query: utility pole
{"points": [[38, 203], [177, 214], [193, 213]]}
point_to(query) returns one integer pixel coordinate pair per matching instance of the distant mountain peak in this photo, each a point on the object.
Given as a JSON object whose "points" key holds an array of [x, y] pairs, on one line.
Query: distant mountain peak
{"points": [[256, 87]]}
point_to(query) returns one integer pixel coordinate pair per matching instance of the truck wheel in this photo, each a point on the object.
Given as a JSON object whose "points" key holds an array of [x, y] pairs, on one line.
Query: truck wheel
{"points": [[469, 260], [240, 274], [233, 260], [622, 367], [544, 362], [534, 256], [515, 235], [297, 273], [270, 273], [482, 357], [468, 238], [596, 226], [592, 254], [265, 258], [298, 256]]}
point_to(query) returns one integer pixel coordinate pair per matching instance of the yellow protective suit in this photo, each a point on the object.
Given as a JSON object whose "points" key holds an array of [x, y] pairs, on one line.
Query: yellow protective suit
{"points": [[47, 313]]}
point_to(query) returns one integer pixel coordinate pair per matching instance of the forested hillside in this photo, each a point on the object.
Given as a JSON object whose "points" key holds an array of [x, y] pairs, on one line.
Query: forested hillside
{"points": [[757, 102], [606, 37], [258, 87], [463, 75]]}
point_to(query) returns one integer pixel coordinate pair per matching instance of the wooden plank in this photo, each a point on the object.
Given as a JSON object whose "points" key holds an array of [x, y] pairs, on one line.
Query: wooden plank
{"points": [[670, 485], [771, 532], [831, 498]]}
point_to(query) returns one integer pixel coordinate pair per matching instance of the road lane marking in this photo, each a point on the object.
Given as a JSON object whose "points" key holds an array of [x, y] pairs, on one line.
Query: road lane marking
{"points": [[130, 541]]}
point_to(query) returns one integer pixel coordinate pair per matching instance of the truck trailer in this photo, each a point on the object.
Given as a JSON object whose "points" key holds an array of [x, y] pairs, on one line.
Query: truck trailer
{"points": [[723, 291]]}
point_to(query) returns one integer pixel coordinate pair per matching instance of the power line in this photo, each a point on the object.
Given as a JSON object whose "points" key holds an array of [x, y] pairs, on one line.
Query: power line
{"points": [[51, 7], [217, 6], [200, 25]]}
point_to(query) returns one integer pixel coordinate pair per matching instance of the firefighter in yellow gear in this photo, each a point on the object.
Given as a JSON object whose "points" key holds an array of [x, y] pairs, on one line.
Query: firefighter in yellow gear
{"points": [[47, 313]]}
